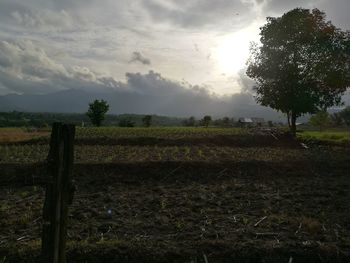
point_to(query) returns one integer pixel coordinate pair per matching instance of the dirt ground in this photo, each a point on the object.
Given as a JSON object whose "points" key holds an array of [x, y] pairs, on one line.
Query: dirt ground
{"points": [[295, 210], [8, 135]]}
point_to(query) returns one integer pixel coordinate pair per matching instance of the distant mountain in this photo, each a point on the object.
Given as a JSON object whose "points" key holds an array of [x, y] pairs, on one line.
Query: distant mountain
{"points": [[63, 101], [180, 104]]}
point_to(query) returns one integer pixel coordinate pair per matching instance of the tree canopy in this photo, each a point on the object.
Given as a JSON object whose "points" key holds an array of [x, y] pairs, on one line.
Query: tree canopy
{"points": [[97, 111], [302, 65], [147, 120], [206, 120], [190, 122], [321, 119]]}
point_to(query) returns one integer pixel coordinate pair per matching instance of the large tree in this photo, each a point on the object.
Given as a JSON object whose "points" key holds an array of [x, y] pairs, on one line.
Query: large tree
{"points": [[302, 64], [97, 111]]}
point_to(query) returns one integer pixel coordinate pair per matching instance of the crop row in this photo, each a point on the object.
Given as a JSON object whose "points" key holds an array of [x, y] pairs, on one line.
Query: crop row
{"points": [[154, 132], [118, 153], [86, 133]]}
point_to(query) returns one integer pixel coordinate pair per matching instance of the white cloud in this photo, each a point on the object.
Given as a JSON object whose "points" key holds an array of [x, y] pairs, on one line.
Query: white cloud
{"points": [[26, 68], [47, 20], [25, 58], [83, 73], [201, 13], [87, 43]]}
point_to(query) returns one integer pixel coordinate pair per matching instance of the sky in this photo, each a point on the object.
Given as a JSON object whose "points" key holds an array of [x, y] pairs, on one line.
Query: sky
{"points": [[198, 46]]}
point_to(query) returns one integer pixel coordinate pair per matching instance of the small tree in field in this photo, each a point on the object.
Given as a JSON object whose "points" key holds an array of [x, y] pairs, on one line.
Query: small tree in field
{"points": [[126, 122], [226, 122], [303, 64], [190, 122], [345, 115], [97, 111], [337, 119], [321, 119], [206, 121], [147, 120]]}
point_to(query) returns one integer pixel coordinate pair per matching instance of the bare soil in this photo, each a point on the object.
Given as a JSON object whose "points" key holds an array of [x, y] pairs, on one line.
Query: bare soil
{"points": [[244, 211]]}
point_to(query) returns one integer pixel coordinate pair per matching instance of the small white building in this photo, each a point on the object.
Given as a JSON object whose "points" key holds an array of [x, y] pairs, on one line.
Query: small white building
{"points": [[245, 120], [251, 121]]}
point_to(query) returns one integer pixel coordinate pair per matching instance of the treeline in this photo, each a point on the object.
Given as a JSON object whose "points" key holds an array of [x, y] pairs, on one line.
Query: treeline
{"points": [[207, 120], [42, 120], [323, 119]]}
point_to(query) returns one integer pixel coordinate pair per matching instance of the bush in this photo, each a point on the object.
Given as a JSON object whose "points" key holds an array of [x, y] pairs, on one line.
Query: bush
{"points": [[126, 123]]}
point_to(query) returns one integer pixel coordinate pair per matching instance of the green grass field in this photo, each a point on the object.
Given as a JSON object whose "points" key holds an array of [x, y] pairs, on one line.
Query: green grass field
{"points": [[338, 136]]}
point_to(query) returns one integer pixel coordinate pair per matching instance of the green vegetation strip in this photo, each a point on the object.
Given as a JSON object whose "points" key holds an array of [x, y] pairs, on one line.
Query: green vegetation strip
{"points": [[327, 136]]}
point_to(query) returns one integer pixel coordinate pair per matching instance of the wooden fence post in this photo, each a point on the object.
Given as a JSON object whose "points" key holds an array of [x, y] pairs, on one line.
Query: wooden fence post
{"points": [[59, 193]]}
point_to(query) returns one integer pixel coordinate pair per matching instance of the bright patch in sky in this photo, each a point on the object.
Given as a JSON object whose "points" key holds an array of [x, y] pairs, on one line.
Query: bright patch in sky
{"points": [[233, 50]]}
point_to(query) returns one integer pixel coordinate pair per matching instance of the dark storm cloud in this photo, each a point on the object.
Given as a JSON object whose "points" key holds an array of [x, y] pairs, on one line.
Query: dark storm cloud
{"points": [[138, 57], [27, 69], [142, 93], [199, 13]]}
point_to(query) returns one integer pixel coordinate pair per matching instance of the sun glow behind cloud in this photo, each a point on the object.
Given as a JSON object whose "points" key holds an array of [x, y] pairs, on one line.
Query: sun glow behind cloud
{"points": [[232, 51]]}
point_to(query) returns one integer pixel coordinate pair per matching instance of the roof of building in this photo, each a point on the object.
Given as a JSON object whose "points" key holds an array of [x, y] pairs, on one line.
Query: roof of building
{"points": [[245, 120]]}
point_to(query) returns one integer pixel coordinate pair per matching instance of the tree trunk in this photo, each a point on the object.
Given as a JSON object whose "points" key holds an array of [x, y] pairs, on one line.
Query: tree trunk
{"points": [[288, 118], [293, 127]]}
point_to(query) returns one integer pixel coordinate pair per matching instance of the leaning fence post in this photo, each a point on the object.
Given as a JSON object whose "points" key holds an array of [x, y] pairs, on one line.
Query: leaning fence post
{"points": [[59, 193]]}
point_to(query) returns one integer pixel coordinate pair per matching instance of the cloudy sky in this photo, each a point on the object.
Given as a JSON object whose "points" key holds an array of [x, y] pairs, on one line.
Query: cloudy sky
{"points": [[52, 45]]}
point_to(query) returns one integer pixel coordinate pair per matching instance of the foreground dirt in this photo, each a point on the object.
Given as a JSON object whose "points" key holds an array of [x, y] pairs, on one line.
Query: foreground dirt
{"points": [[226, 211]]}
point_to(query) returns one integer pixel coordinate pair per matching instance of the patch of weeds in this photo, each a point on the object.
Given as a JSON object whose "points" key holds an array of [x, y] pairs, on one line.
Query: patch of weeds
{"points": [[245, 220], [163, 204], [282, 219], [311, 225], [347, 241], [104, 244], [23, 194], [29, 247], [4, 208], [278, 218], [179, 224], [24, 219]]}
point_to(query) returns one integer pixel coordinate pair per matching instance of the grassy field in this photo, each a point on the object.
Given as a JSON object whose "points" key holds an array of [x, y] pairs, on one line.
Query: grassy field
{"points": [[338, 136], [8, 135], [103, 133], [182, 195]]}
